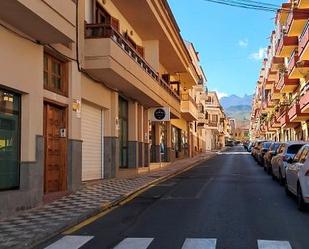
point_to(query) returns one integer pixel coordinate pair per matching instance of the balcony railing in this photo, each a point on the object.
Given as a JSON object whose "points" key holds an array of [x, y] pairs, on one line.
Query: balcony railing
{"points": [[107, 31], [292, 60], [303, 39], [212, 124], [188, 97]]}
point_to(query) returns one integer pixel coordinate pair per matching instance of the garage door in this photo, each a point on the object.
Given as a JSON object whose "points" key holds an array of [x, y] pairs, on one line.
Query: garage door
{"points": [[92, 146]]}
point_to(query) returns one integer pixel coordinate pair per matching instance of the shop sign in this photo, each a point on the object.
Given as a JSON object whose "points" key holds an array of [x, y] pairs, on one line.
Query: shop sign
{"points": [[159, 114]]}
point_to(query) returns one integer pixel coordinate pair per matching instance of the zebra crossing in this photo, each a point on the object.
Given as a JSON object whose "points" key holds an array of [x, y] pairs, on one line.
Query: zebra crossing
{"points": [[76, 242]]}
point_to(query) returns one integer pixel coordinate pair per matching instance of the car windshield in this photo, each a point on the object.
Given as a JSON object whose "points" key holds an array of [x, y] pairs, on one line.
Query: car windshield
{"points": [[266, 145], [293, 149]]}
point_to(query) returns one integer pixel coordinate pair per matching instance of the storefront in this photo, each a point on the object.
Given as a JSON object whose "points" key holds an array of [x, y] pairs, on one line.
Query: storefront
{"points": [[9, 139]]}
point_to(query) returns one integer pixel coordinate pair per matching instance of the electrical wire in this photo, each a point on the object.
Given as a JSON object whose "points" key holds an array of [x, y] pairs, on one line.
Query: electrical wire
{"points": [[256, 5]]}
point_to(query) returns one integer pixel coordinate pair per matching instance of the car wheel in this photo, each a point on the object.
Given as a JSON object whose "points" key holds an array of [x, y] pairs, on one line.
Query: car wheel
{"points": [[281, 180], [300, 200]]}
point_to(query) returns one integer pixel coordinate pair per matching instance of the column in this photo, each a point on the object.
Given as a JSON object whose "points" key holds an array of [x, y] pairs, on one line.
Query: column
{"points": [[141, 154], [169, 141], [146, 138], [133, 134], [111, 138]]}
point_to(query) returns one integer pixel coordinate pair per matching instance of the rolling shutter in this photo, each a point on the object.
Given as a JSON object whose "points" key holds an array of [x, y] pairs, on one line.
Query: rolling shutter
{"points": [[92, 146]]}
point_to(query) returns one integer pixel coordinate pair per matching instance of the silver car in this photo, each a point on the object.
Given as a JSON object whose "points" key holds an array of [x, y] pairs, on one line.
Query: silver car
{"points": [[286, 152]]}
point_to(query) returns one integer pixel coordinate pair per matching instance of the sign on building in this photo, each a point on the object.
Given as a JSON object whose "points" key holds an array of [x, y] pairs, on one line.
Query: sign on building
{"points": [[158, 114]]}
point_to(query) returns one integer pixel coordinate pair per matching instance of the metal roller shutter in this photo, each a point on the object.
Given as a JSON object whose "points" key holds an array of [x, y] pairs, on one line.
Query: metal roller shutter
{"points": [[92, 146]]}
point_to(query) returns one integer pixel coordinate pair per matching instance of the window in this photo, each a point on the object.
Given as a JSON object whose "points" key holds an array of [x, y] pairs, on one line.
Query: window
{"points": [[293, 149], [214, 118], [9, 139], [304, 155], [55, 75]]}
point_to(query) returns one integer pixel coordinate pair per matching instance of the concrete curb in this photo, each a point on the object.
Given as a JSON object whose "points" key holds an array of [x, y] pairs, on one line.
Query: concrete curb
{"points": [[43, 237]]}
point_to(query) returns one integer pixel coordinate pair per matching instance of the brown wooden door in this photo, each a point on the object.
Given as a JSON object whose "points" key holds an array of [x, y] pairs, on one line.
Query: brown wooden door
{"points": [[55, 148]]}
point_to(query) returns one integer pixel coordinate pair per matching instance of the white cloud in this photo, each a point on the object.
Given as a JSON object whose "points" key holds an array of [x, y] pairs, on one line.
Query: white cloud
{"points": [[243, 43], [221, 94], [259, 55]]}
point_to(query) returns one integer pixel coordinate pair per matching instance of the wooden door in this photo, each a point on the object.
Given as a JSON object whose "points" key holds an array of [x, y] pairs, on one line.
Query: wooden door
{"points": [[55, 119]]}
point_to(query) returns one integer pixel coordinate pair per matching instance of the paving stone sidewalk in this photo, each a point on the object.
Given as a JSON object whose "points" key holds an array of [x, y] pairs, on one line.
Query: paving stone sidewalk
{"points": [[29, 228]]}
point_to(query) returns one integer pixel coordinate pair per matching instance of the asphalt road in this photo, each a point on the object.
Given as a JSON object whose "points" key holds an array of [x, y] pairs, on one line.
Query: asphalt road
{"points": [[228, 202]]}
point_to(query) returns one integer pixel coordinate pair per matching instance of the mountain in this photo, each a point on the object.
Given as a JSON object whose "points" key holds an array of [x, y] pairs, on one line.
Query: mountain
{"points": [[234, 100], [238, 108], [239, 112]]}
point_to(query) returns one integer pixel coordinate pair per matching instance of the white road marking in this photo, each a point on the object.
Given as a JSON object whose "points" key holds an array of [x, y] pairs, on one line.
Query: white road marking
{"points": [[200, 244], [273, 244], [233, 153], [70, 242], [134, 243]]}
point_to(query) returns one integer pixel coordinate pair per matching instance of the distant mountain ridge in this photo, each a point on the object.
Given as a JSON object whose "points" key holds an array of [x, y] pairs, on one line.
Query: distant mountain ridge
{"points": [[234, 100], [238, 108]]}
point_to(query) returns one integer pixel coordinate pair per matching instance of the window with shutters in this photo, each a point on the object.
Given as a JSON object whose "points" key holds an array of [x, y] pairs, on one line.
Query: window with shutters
{"points": [[55, 75]]}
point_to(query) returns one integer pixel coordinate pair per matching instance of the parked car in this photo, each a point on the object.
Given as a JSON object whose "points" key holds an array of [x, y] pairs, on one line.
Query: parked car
{"points": [[251, 144], [272, 151], [262, 151], [256, 149], [279, 163], [297, 177], [229, 143]]}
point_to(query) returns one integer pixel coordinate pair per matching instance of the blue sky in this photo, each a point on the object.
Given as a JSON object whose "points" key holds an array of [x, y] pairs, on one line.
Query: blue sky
{"points": [[230, 41]]}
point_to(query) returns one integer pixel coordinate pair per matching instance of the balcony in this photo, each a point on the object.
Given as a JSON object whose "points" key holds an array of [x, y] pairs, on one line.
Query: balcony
{"points": [[282, 13], [303, 48], [304, 102], [286, 45], [269, 84], [286, 85], [284, 119], [212, 124], [297, 69], [274, 93], [46, 21], [302, 4], [202, 118], [274, 122], [188, 107], [277, 60], [295, 114], [112, 60], [296, 21]]}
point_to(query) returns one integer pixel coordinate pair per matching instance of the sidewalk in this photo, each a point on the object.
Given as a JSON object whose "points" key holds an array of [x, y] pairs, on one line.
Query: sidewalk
{"points": [[32, 227]]}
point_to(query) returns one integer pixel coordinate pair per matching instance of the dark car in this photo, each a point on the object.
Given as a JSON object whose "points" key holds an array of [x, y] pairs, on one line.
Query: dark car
{"points": [[263, 148], [229, 143], [272, 151]]}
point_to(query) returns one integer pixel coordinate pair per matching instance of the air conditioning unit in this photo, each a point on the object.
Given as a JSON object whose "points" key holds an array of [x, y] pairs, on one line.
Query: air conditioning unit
{"points": [[159, 114]]}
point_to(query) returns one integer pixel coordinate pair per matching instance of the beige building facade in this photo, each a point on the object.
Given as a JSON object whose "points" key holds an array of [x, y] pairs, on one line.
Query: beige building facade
{"points": [[87, 92]]}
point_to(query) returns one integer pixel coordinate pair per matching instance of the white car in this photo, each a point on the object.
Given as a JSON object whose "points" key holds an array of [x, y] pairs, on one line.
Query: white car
{"points": [[297, 177], [286, 152]]}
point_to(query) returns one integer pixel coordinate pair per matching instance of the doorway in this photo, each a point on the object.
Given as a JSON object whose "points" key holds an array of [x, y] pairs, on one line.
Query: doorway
{"points": [[55, 146]]}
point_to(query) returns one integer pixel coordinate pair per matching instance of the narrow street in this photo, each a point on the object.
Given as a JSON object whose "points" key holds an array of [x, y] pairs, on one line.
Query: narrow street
{"points": [[228, 202]]}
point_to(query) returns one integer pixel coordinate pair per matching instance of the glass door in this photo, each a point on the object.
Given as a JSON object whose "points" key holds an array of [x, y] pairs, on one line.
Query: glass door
{"points": [[9, 139]]}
